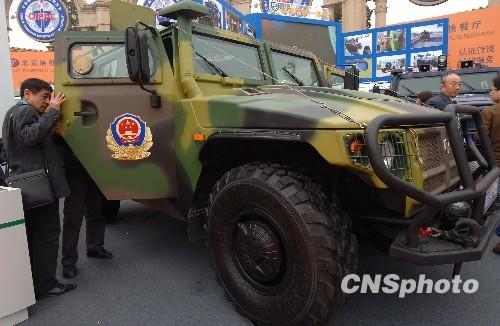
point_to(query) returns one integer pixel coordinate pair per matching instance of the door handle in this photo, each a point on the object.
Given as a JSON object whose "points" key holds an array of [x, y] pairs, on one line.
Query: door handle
{"points": [[85, 114]]}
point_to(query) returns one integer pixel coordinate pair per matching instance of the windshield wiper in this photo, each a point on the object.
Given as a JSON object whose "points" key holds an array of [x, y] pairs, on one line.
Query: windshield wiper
{"points": [[295, 79], [470, 87], [212, 65], [409, 90]]}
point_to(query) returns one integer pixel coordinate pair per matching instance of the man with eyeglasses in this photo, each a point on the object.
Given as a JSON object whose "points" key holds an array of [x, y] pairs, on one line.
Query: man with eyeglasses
{"points": [[450, 87], [491, 117]]}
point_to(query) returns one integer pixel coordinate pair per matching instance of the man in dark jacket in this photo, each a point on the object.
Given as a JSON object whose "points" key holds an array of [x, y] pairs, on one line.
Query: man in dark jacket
{"points": [[85, 199], [27, 134], [491, 117], [450, 88]]}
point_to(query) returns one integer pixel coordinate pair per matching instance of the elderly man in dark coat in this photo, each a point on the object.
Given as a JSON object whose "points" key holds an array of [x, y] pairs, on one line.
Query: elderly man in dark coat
{"points": [[27, 133], [449, 89]]}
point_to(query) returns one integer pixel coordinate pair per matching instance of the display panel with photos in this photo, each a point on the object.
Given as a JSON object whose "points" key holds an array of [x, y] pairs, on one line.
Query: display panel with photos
{"points": [[249, 30], [387, 64], [233, 22], [391, 40], [427, 36], [360, 44], [404, 47], [363, 65], [425, 58]]}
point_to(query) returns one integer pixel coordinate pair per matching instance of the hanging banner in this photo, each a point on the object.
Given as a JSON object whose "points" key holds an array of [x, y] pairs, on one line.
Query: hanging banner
{"points": [[295, 8], [30, 64], [41, 19]]}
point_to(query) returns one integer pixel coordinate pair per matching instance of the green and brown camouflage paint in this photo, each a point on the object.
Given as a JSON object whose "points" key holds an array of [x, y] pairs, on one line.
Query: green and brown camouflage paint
{"points": [[175, 174]]}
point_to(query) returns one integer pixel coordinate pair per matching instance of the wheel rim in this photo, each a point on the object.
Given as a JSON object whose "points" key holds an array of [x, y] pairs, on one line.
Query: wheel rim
{"points": [[259, 250]]}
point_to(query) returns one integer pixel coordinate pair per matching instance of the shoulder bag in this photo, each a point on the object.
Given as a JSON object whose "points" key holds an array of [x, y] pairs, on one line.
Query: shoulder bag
{"points": [[35, 186]]}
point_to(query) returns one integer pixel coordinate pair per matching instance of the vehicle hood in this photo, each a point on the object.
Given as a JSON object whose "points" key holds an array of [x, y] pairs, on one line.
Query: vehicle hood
{"points": [[280, 107]]}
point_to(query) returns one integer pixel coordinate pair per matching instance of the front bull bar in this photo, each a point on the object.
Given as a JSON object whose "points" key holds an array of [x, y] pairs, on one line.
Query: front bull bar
{"points": [[473, 190]]}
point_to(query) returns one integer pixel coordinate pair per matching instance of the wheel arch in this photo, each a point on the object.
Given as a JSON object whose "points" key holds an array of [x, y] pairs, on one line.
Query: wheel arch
{"points": [[223, 152]]}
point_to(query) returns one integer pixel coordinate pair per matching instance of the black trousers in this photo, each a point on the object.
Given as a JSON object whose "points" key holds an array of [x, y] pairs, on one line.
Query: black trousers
{"points": [[43, 230], [85, 199]]}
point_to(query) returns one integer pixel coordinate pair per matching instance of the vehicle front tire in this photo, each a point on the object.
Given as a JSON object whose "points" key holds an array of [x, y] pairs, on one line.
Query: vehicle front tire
{"points": [[279, 248]]}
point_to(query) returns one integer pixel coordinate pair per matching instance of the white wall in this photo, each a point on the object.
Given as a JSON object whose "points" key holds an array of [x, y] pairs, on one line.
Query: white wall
{"points": [[6, 87]]}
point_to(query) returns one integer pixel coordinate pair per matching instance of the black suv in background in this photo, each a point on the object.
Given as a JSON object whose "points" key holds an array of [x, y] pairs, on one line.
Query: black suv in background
{"points": [[475, 90]]}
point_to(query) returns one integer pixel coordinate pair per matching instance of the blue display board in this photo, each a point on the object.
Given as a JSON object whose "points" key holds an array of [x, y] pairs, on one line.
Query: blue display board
{"points": [[378, 51]]}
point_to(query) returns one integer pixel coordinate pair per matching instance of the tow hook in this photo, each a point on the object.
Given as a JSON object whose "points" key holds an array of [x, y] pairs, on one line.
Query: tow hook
{"points": [[466, 232]]}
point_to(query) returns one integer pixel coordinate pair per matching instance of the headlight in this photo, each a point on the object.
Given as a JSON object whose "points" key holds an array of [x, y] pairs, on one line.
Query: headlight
{"points": [[393, 146]]}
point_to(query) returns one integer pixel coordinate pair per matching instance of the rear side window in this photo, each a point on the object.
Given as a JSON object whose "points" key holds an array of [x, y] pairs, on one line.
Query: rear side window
{"points": [[101, 61], [98, 61]]}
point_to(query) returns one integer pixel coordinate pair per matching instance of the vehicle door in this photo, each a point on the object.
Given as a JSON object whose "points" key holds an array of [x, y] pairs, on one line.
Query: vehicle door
{"points": [[126, 145]]}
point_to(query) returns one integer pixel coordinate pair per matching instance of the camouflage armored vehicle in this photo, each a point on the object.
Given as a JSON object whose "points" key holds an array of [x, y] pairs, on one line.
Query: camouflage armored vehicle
{"points": [[243, 139]]}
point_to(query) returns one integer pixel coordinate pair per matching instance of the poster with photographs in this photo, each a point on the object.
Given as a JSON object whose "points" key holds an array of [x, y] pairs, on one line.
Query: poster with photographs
{"points": [[388, 63], [391, 40], [364, 66], [214, 18], [249, 30], [358, 44], [427, 35], [425, 58], [233, 22]]}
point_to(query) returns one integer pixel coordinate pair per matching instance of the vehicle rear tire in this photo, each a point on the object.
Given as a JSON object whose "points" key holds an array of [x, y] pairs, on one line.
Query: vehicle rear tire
{"points": [[279, 248]]}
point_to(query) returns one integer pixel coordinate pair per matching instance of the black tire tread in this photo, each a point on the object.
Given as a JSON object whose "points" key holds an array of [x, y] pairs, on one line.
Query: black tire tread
{"points": [[334, 246]]}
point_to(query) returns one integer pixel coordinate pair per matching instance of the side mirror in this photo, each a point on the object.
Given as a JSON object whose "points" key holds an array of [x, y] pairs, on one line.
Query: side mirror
{"points": [[351, 80], [136, 50]]}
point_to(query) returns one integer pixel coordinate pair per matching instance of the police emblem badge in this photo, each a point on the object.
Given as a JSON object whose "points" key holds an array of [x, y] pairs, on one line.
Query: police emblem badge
{"points": [[128, 138]]}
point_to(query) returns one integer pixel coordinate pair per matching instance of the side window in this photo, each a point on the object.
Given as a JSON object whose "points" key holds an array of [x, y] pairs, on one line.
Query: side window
{"points": [[101, 61]]}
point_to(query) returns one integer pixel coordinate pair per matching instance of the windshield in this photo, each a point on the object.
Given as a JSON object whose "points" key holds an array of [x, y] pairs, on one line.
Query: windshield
{"points": [[478, 82], [413, 86], [471, 82], [294, 70], [213, 56]]}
